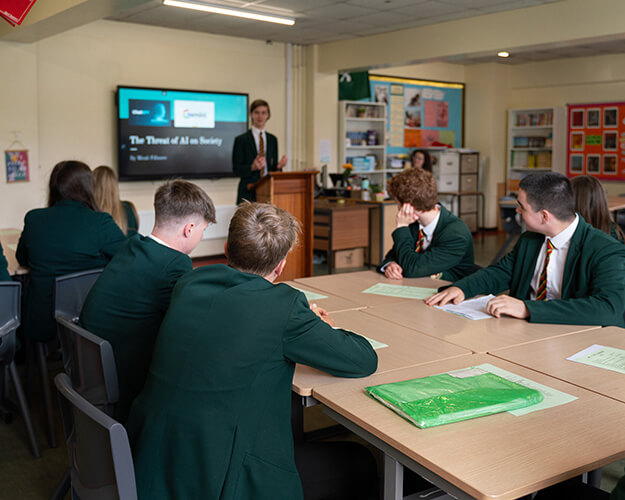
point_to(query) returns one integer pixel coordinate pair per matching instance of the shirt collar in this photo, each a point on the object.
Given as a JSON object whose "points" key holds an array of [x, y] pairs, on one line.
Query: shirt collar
{"points": [[256, 131], [563, 237], [158, 240], [429, 229]]}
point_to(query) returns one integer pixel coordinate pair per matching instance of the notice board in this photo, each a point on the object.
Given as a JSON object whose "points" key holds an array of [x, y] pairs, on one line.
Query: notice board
{"points": [[596, 140], [421, 113]]}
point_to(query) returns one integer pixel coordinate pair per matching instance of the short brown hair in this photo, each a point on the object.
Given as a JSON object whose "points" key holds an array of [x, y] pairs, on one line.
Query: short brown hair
{"points": [[178, 199], [416, 187], [257, 103], [259, 237]]}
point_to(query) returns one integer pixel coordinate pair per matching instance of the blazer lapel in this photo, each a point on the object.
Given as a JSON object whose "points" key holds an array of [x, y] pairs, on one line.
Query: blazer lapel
{"points": [[572, 257], [531, 256]]}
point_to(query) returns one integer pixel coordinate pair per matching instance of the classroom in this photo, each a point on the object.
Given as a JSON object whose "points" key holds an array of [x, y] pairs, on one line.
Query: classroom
{"points": [[63, 65]]}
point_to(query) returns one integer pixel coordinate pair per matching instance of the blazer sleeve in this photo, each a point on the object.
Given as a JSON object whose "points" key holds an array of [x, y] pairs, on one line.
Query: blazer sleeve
{"points": [[605, 300], [111, 236], [4, 273], [310, 341], [444, 253], [241, 161], [21, 254], [272, 159], [177, 267]]}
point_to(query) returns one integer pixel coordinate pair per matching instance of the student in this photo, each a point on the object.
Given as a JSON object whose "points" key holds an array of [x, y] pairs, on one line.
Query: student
{"points": [[428, 240], [68, 236], [213, 420], [421, 158], [129, 300], [124, 213], [592, 204], [255, 152], [584, 282], [4, 273]]}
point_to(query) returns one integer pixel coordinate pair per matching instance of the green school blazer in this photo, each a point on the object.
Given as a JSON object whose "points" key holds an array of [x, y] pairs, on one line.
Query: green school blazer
{"points": [[65, 238], [126, 307], [243, 153], [593, 284], [132, 222], [450, 252], [4, 273], [213, 420]]}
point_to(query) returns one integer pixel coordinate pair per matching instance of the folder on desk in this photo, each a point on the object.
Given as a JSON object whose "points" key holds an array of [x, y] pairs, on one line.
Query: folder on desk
{"points": [[454, 396]]}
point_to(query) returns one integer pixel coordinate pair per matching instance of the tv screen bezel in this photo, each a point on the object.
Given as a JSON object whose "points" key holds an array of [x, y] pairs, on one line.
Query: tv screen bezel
{"points": [[180, 175]]}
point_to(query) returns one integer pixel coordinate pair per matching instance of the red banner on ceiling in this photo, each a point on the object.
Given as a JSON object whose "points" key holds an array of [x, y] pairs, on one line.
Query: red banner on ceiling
{"points": [[14, 11]]}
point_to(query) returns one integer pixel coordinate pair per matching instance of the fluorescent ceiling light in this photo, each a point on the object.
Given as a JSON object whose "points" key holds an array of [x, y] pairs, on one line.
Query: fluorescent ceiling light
{"points": [[227, 11], [503, 53]]}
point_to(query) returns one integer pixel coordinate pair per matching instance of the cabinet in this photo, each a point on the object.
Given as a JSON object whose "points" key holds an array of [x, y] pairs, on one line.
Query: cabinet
{"points": [[362, 140], [535, 141], [457, 179]]}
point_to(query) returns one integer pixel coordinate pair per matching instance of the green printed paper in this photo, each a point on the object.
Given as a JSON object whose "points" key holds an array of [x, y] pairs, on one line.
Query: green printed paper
{"points": [[608, 358], [310, 296], [9, 232], [453, 397], [593, 140], [375, 344], [406, 292]]}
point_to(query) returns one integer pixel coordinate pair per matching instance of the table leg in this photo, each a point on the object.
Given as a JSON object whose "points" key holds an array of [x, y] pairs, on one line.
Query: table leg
{"points": [[393, 479]]}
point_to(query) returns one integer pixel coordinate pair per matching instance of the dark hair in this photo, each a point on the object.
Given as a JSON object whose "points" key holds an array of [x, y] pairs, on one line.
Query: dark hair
{"points": [[258, 103], [178, 199], [550, 191], [592, 204], [427, 159], [72, 180], [259, 237], [416, 187]]}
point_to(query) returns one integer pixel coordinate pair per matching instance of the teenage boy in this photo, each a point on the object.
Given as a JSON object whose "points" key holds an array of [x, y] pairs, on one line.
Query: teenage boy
{"points": [[562, 270], [214, 417], [128, 301], [428, 240]]}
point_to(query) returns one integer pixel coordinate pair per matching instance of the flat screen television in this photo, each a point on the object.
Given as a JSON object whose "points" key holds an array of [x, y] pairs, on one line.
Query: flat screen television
{"points": [[164, 133]]}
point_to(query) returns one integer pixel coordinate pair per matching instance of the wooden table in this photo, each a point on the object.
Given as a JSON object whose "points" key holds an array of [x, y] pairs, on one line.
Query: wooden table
{"points": [[616, 203], [9, 239], [549, 357], [406, 347], [500, 456], [351, 286], [480, 335], [331, 303]]}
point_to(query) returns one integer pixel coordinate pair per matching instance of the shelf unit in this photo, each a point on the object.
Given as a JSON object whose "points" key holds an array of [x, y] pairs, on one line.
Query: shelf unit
{"points": [[535, 141], [364, 122]]}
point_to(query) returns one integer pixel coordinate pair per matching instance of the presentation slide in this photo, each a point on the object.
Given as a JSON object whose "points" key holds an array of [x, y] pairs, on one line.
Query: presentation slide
{"points": [[173, 133]]}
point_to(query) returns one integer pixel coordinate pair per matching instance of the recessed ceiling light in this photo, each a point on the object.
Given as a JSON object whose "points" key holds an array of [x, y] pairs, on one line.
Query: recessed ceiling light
{"points": [[227, 11], [503, 53]]}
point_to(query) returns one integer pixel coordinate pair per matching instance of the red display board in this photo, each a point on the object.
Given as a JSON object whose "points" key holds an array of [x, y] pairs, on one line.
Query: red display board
{"points": [[596, 140], [14, 11]]}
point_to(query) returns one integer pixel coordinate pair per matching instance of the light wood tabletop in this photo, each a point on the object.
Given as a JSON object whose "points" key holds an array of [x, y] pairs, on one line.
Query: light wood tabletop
{"points": [[331, 303], [616, 203], [406, 347], [351, 286], [499, 456], [482, 335], [9, 239], [549, 357]]}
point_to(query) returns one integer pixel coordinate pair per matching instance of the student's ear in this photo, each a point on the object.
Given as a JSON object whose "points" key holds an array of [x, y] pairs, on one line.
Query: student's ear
{"points": [[187, 229], [226, 248], [280, 267]]}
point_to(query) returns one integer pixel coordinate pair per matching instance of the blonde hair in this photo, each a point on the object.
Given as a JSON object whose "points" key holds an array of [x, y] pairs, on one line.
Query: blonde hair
{"points": [[106, 193], [259, 237]]}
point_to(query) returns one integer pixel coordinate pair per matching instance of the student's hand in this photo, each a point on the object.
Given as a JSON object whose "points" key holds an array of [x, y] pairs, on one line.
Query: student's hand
{"points": [[282, 163], [259, 163], [406, 215], [509, 306], [452, 294], [322, 313], [393, 271]]}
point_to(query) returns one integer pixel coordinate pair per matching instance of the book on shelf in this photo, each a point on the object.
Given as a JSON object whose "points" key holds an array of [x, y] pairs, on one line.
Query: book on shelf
{"points": [[534, 119]]}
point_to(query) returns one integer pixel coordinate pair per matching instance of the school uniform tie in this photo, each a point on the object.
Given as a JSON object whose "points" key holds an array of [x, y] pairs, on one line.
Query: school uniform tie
{"points": [[261, 145], [419, 245], [541, 293]]}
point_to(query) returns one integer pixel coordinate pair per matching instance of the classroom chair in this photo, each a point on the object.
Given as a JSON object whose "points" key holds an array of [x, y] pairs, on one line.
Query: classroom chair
{"points": [[69, 294], [509, 224], [99, 452], [10, 296], [90, 364]]}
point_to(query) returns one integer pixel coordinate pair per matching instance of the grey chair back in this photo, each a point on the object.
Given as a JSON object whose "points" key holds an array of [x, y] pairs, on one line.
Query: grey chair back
{"points": [[71, 290], [99, 453], [10, 294], [90, 363]]}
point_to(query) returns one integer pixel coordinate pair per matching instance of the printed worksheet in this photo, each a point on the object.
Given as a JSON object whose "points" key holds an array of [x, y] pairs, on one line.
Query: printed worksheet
{"points": [[406, 292], [608, 358]]}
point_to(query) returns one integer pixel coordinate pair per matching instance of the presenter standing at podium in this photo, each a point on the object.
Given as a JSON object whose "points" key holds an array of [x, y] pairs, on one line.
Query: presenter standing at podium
{"points": [[255, 153]]}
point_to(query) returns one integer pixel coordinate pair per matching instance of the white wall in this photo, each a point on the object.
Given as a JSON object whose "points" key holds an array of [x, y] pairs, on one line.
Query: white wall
{"points": [[61, 95]]}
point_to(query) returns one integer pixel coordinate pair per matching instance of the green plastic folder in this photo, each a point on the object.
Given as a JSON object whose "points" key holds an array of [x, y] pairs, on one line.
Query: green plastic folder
{"points": [[452, 397]]}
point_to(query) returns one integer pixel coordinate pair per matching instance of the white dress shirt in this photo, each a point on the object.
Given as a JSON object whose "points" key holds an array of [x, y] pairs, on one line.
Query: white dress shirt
{"points": [[555, 268], [158, 240]]}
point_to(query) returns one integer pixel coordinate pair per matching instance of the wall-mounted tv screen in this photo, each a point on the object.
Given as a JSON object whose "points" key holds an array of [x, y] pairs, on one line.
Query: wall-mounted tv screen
{"points": [[167, 133]]}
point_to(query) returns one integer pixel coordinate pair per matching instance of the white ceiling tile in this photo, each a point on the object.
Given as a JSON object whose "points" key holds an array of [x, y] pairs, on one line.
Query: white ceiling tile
{"points": [[338, 11], [382, 19], [428, 9], [384, 4]]}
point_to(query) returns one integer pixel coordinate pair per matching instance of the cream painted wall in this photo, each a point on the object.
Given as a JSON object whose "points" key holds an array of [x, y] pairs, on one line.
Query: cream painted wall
{"points": [[62, 93]]}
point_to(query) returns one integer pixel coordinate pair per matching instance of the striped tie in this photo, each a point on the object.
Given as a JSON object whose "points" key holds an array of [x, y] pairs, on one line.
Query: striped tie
{"points": [[419, 246], [261, 145], [541, 293]]}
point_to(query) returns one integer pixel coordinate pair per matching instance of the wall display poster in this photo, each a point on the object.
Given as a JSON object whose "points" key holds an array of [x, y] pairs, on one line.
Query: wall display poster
{"points": [[596, 140], [421, 113], [16, 165]]}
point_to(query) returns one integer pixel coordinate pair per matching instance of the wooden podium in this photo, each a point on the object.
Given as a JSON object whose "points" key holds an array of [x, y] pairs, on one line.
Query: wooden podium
{"points": [[293, 192]]}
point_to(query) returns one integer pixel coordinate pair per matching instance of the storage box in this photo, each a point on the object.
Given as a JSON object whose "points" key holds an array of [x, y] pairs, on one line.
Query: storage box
{"points": [[345, 259]]}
